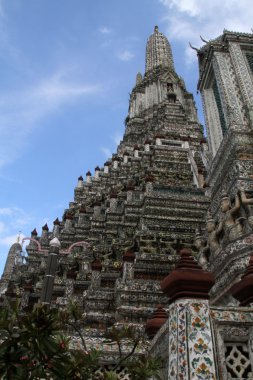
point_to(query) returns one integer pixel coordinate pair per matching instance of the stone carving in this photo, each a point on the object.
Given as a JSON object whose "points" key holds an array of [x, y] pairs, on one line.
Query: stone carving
{"points": [[247, 202], [158, 51], [230, 224], [222, 66], [242, 72], [213, 120]]}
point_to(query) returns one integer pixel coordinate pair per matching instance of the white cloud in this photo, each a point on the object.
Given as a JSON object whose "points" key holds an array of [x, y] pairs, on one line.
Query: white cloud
{"points": [[6, 211], [2, 14], [15, 223], [117, 138], [56, 91], [2, 227], [188, 19], [107, 152], [104, 30], [125, 55], [13, 218], [11, 239], [21, 111]]}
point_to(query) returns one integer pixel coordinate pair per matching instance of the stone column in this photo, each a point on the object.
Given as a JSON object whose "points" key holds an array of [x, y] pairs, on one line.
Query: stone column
{"points": [[97, 209], [96, 267], [82, 214], [97, 171], [115, 163], [88, 177], [56, 229], [44, 235], [215, 134], [242, 72], [136, 151], [106, 168], [48, 283], [147, 146], [158, 140], [149, 184], [230, 102], [125, 157], [80, 182], [128, 268], [68, 222], [113, 202], [194, 359], [186, 339], [130, 189]]}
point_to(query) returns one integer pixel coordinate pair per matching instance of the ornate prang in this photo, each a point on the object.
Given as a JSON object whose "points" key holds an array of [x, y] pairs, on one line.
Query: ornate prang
{"points": [[155, 323], [153, 195]]}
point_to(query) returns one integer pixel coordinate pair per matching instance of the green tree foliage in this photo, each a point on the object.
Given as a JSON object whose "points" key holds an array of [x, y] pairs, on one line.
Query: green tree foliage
{"points": [[32, 346]]}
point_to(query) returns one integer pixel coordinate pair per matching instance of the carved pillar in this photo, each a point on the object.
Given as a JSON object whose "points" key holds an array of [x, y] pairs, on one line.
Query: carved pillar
{"points": [[128, 266], [48, 283], [80, 182], [242, 72], [187, 334], [106, 168], [227, 88], [113, 202], [97, 172], [56, 229], [212, 120], [97, 210], [96, 267], [88, 177]]}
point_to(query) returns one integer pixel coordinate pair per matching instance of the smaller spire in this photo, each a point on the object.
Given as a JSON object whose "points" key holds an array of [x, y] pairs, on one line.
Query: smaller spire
{"points": [[82, 210], [69, 216], [96, 265], [129, 255], [188, 279], [34, 232], [158, 51], [57, 222], [138, 79], [45, 227], [154, 324]]}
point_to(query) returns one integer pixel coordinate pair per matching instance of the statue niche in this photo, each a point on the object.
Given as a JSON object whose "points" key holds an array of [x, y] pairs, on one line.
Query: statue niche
{"points": [[211, 246], [214, 235], [230, 221], [247, 203]]}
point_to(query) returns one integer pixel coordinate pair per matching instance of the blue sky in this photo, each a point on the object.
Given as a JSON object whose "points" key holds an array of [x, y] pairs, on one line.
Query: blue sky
{"points": [[67, 68]]}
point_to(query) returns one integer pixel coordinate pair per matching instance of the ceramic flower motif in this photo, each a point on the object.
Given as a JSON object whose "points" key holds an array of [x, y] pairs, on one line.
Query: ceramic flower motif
{"points": [[202, 368], [198, 323], [200, 347]]}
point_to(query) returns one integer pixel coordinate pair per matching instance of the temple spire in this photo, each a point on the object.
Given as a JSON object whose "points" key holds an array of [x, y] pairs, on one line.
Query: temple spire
{"points": [[158, 51]]}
